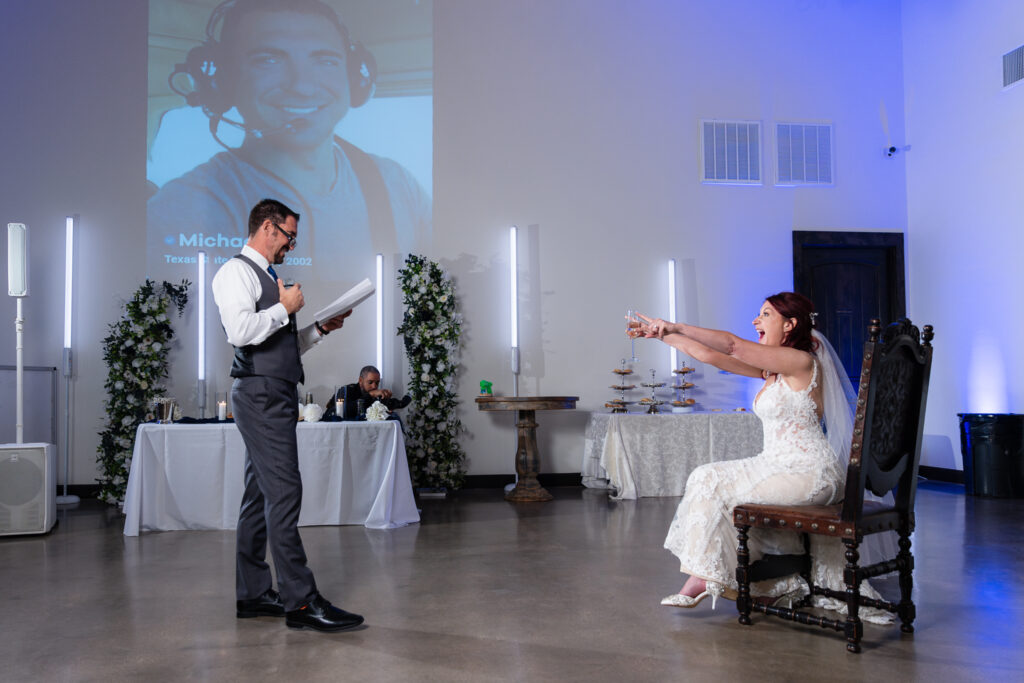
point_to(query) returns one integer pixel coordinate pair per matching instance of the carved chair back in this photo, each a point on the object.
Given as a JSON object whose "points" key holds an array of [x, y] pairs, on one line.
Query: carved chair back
{"points": [[889, 417]]}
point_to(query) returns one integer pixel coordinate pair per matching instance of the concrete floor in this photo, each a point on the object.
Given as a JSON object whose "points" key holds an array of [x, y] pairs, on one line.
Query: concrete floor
{"points": [[484, 590]]}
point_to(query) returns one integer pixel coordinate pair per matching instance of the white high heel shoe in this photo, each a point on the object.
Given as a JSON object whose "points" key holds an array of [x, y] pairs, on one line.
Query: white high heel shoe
{"points": [[711, 588]]}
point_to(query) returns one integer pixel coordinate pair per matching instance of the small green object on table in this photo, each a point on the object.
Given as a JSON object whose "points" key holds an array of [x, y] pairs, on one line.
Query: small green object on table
{"points": [[485, 387]]}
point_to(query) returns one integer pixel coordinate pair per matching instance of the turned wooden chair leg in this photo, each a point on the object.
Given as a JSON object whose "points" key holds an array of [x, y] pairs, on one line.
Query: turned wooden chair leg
{"points": [[854, 627], [806, 573], [743, 575], [905, 560]]}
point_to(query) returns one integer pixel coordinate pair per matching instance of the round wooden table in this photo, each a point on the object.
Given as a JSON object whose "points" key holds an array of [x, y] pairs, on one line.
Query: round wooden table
{"points": [[527, 488]]}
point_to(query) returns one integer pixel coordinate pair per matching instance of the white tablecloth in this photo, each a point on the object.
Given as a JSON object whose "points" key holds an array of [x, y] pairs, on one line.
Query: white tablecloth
{"points": [[191, 476], [641, 455]]}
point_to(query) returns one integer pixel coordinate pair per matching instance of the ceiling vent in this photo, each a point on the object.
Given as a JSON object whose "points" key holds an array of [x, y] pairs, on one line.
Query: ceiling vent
{"points": [[804, 153], [731, 152], [1013, 66]]}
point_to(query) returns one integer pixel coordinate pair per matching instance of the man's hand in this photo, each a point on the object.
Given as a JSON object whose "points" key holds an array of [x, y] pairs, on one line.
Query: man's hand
{"points": [[381, 393], [335, 322], [291, 297]]}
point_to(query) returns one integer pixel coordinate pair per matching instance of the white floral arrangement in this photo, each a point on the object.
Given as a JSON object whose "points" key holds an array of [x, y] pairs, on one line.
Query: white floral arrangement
{"points": [[135, 351], [311, 412], [377, 412], [432, 329]]}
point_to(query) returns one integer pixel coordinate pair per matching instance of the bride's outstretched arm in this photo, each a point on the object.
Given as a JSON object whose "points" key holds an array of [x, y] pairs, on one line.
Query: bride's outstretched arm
{"points": [[705, 354], [718, 340], [726, 351]]}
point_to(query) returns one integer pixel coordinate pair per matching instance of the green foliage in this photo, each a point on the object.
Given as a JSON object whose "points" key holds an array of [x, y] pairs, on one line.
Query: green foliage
{"points": [[431, 328], [135, 351]]}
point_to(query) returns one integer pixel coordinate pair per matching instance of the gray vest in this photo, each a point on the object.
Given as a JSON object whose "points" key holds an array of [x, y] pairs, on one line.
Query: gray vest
{"points": [[278, 355]]}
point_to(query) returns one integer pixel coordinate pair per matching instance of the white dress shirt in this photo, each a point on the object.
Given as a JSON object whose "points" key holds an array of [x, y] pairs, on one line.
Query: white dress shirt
{"points": [[236, 289]]}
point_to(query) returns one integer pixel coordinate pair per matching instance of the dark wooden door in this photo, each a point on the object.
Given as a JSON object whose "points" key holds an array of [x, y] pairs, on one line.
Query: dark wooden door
{"points": [[851, 277]]}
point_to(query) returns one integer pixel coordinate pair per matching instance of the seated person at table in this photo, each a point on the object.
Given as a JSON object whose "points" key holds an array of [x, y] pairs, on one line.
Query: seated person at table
{"points": [[368, 390]]}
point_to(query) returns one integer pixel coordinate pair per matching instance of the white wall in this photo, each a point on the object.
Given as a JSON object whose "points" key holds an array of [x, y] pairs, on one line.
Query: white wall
{"points": [[574, 119], [965, 207]]}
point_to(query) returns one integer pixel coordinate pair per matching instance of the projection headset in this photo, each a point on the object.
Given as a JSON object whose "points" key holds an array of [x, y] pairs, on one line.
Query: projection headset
{"points": [[211, 86]]}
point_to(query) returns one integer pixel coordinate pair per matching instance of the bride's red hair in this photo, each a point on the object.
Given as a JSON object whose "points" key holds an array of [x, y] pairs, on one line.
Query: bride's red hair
{"points": [[797, 307]]}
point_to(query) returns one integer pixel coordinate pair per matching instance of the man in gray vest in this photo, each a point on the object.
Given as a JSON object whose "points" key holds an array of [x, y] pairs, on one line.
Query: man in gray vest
{"points": [[258, 315]]}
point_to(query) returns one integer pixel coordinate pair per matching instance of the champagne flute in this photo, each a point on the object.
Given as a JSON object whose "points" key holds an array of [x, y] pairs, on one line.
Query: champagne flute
{"points": [[632, 332]]}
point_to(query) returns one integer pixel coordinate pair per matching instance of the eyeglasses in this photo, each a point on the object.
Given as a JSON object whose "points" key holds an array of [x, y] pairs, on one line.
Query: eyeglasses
{"points": [[291, 238]]}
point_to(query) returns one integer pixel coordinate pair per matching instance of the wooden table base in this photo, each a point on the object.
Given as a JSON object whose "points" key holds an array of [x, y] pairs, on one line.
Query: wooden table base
{"points": [[527, 489]]}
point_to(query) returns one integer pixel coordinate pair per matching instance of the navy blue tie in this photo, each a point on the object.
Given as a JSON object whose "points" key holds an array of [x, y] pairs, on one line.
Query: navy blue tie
{"points": [[270, 269]]}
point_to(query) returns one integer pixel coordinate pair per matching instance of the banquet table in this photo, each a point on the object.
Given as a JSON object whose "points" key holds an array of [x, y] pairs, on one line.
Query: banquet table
{"points": [[190, 476], [641, 455]]}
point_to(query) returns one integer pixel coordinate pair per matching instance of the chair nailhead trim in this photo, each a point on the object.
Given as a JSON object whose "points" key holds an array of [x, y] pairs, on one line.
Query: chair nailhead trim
{"points": [[798, 525]]}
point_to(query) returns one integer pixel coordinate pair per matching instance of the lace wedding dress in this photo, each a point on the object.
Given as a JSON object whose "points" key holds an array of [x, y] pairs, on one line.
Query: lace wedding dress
{"points": [[797, 466]]}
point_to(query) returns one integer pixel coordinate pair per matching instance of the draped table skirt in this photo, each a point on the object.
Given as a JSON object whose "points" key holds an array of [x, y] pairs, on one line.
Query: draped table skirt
{"points": [[191, 476], [641, 455]]}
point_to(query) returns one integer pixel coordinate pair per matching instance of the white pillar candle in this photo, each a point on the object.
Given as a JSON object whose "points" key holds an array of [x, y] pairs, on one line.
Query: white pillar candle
{"points": [[222, 410], [339, 407]]}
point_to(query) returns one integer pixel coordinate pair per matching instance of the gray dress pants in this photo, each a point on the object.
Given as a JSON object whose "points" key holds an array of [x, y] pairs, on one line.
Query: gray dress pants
{"points": [[266, 411]]}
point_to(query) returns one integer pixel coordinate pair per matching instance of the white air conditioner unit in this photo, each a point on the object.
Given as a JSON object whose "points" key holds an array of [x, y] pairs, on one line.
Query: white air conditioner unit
{"points": [[28, 488]]}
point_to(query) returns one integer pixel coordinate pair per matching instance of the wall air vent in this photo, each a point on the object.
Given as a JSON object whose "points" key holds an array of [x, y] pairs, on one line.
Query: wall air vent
{"points": [[804, 153], [731, 152], [1013, 66]]}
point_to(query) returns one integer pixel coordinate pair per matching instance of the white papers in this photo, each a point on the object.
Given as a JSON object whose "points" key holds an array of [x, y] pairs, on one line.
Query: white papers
{"points": [[346, 302]]}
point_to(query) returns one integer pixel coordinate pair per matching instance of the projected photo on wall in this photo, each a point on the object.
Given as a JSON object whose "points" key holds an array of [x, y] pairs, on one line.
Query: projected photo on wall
{"points": [[325, 105]]}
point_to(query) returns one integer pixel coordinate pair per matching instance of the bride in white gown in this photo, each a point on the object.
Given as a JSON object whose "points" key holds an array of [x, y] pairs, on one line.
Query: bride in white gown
{"points": [[798, 465]]}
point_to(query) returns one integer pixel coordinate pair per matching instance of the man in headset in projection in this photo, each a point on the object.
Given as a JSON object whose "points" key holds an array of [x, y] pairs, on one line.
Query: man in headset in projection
{"points": [[290, 70]]}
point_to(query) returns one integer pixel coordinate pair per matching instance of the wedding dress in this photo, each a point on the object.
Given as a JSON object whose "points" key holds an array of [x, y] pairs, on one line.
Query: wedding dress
{"points": [[797, 466]]}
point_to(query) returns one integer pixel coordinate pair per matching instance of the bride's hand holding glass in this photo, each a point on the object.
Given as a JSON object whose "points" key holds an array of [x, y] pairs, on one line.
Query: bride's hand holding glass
{"points": [[650, 328]]}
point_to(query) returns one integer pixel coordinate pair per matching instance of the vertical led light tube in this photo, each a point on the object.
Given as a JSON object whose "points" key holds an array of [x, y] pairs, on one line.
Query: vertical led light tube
{"points": [[201, 369], [69, 279], [69, 269], [380, 314], [513, 270], [674, 354]]}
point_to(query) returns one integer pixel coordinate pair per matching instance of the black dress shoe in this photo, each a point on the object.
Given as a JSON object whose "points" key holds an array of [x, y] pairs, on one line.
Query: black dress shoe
{"points": [[267, 605], [320, 615]]}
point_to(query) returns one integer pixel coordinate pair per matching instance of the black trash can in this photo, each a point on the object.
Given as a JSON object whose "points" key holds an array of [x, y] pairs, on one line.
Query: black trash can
{"points": [[992, 446]]}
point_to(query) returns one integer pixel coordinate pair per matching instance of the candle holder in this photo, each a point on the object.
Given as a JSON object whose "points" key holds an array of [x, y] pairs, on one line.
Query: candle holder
{"points": [[222, 405], [339, 402]]}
